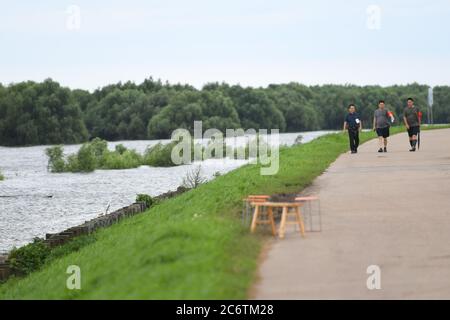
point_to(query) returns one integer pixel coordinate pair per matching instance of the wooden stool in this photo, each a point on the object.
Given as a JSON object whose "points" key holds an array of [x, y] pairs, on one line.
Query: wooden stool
{"points": [[296, 213], [258, 203], [284, 216]]}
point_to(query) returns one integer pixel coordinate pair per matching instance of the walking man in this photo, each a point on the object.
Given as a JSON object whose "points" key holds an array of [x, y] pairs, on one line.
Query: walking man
{"points": [[353, 124], [412, 119], [381, 124]]}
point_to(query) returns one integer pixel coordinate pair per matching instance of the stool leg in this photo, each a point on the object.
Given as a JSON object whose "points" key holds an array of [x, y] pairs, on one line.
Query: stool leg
{"points": [[272, 221], [300, 222], [255, 219], [283, 222]]}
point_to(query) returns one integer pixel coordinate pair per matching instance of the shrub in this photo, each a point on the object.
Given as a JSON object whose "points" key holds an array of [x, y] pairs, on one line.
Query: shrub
{"points": [[193, 178], [29, 258], [1, 177], [159, 155], [126, 160], [120, 148], [55, 159], [149, 201], [71, 246], [99, 147], [86, 158], [112, 160], [131, 159], [35, 255], [95, 155], [72, 163]]}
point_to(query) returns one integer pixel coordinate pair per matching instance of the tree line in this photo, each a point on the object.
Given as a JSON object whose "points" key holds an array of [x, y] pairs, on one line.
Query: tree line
{"points": [[34, 113]]}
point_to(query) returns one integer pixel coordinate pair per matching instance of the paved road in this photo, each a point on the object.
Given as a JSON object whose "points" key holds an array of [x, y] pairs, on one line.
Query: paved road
{"points": [[390, 210]]}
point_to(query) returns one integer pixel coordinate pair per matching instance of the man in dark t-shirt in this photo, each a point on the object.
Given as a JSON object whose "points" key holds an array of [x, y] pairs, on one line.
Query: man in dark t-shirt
{"points": [[353, 124], [382, 119], [412, 119]]}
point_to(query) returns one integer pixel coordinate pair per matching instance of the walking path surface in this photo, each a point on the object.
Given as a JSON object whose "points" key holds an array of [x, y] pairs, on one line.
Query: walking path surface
{"points": [[390, 210]]}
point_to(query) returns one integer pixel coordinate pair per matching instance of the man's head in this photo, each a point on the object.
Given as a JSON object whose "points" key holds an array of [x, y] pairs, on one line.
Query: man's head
{"points": [[381, 104], [410, 102], [351, 108]]}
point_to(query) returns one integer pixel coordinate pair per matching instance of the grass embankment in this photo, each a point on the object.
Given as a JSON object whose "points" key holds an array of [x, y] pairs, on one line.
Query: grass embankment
{"points": [[189, 247]]}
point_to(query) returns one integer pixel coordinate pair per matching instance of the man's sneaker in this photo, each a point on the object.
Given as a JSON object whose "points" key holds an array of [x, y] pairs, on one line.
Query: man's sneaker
{"points": [[353, 151], [385, 149], [380, 150], [412, 150]]}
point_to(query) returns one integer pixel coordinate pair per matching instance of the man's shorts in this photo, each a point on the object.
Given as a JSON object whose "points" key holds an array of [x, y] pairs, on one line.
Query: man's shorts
{"points": [[383, 132], [413, 131]]}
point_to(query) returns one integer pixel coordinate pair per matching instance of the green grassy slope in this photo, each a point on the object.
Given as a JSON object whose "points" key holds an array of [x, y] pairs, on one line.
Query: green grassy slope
{"points": [[193, 246]]}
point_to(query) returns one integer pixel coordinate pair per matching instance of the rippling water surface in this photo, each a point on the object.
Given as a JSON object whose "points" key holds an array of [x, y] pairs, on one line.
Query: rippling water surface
{"points": [[34, 202]]}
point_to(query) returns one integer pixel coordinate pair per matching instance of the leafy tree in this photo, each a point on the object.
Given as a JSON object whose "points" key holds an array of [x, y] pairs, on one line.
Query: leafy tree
{"points": [[86, 158], [39, 113], [45, 113], [293, 100], [441, 105], [256, 110], [183, 109]]}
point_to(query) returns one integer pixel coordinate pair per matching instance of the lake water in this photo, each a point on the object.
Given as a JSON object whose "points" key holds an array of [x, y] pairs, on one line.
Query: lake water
{"points": [[34, 202]]}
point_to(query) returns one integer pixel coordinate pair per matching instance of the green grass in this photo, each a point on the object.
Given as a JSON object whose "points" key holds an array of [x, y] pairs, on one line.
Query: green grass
{"points": [[189, 247]]}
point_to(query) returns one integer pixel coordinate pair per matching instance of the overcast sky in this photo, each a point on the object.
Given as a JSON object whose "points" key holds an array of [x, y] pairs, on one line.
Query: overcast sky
{"points": [[88, 44]]}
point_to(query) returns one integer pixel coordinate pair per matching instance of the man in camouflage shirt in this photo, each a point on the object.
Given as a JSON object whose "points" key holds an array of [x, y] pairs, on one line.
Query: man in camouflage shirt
{"points": [[412, 120]]}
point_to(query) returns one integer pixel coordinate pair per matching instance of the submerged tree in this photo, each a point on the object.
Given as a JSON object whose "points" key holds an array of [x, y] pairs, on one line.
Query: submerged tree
{"points": [[55, 159]]}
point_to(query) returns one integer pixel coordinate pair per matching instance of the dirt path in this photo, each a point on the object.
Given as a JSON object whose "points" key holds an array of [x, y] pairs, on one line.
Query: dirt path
{"points": [[390, 210]]}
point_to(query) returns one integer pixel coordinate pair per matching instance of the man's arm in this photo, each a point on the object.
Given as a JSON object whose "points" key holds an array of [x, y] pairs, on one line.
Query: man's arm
{"points": [[406, 122], [345, 125], [374, 123], [360, 125]]}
